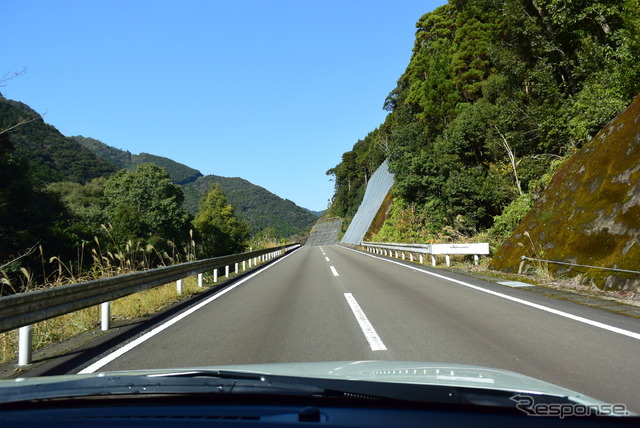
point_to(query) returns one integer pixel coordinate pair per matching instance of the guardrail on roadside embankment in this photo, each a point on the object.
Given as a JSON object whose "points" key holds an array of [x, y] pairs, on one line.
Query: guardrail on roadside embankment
{"points": [[22, 310], [389, 249], [525, 259]]}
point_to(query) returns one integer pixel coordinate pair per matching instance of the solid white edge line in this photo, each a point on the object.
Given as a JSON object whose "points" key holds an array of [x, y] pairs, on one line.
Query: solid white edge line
{"points": [[129, 346], [334, 271], [583, 320], [367, 329]]}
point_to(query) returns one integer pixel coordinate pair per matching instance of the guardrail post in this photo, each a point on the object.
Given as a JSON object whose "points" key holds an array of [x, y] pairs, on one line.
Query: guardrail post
{"points": [[244, 265], [475, 259], [410, 257], [105, 316], [215, 275], [523, 263], [25, 338], [447, 259], [433, 260], [402, 252], [226, 271], [179, 286], [200, 280], [236, 268], [421, 259]]}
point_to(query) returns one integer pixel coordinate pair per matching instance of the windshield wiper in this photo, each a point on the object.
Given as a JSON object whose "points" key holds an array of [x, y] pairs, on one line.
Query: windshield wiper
{"points": [[201, 373]]}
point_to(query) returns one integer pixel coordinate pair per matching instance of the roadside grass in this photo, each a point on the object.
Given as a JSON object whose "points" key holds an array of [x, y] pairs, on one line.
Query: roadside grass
{"points": [[131, 257], [131, 307]]}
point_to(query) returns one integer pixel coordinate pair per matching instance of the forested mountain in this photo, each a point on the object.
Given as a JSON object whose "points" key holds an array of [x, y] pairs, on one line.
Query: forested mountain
{"points": [[259, 207], [50, 155], [121, 159], [497, 94]]}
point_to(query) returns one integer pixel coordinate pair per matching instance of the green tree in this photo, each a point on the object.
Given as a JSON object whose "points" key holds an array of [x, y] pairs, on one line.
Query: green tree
{"points": [[29, 215], [86, 205], [219, 231], [145, 205]]}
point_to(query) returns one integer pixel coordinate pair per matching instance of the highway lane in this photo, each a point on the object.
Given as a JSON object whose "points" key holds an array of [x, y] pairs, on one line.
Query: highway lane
{"points": [[301, 309], [421, 317]]}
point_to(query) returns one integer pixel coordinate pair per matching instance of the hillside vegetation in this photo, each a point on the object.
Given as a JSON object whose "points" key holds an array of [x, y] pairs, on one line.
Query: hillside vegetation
{"points": [[496, 95], [589, 214], [75, 208], [50, 155], [263, 210]]}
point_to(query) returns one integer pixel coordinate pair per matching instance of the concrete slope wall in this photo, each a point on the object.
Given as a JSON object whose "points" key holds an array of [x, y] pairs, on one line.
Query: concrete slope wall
{"points": [[377, 189], [325, 232]]}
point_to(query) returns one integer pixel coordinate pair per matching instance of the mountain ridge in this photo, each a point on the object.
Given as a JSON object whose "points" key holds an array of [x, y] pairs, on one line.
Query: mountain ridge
{"points": [[53, 156]]}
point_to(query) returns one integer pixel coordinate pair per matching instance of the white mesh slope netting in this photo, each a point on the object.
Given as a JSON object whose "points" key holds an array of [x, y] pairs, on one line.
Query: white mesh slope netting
{"points": [[377, 189]]}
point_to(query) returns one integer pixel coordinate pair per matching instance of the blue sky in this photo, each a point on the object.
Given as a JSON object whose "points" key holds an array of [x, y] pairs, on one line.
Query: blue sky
{"points": [[270, 91]]}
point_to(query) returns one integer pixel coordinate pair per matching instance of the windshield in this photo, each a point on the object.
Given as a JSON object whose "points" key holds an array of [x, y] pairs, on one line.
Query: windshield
{"points": [[439, 193]]}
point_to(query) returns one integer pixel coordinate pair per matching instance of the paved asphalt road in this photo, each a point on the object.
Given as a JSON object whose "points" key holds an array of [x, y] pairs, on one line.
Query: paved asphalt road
{"points": [[333, 304]]}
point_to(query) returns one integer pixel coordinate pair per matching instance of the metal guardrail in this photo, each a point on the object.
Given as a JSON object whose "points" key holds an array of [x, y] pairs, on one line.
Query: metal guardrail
{"points": [[24, 309], [525, 259], [388, 248]]}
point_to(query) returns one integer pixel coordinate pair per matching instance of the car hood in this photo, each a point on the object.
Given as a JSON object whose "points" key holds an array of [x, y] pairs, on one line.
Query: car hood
{"points": [[405, 372], [412, 372]]}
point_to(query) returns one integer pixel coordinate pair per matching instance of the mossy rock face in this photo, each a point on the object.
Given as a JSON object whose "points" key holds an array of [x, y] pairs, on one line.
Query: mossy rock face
{"points": [[590, 212]]}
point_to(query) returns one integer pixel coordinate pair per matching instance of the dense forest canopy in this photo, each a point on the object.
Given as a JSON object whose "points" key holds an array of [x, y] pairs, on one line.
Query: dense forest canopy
{"points": [[496, 94]]}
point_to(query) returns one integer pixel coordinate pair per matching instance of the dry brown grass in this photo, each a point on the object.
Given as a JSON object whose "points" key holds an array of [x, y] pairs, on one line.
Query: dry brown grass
{"points": [[130, 258]]}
